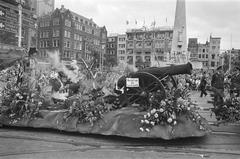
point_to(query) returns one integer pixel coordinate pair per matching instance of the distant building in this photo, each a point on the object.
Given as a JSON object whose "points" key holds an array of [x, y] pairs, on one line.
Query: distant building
{"points": [[9, 13], [73, 35], [208, 54], [111, 54], [121, 48], [193, 49], [235, 60], [42, 7], [145, 48]]}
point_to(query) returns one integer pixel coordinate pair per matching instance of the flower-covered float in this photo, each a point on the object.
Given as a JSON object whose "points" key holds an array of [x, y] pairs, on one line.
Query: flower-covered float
{"points": [[147, 103]]}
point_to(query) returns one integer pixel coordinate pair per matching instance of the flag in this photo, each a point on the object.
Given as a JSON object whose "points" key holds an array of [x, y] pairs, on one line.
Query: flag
{"points": [[135, 21], [166, 20], [127, 22]]}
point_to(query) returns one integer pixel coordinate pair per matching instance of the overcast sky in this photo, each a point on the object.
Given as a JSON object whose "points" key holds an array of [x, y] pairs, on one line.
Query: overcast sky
{"points": [[221, 18]]}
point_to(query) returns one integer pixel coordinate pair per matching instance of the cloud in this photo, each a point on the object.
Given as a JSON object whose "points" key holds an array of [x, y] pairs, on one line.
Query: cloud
{"points": [[204, 17]]}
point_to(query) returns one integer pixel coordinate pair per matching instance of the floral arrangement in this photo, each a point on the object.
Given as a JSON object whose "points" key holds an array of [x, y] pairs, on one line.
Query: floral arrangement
{"points": [[166, 111], [229, 110], [88, 107]]}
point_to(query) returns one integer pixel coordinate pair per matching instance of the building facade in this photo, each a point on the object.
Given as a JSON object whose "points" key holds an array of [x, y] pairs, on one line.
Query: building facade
{"points": [[42, 7], [73, 35], [111, 54], [145, 48], [9, 20], [214, 52], [193, 49], [121, 48], [208, 53]]}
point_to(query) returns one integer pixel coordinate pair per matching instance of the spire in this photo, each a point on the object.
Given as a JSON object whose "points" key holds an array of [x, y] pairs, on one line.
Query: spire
{"points": [[179, 41]]}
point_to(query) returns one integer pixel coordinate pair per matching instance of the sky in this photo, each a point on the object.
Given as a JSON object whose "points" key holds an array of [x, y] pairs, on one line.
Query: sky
{"points": [[219, 18]]}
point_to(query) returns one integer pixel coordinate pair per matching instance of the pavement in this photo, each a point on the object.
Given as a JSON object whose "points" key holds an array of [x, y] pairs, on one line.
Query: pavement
{"points": [[28, 143]]}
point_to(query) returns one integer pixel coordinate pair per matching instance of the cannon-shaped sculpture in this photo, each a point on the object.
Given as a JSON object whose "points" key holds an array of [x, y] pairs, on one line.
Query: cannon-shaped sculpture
{"points": [[138, 86]]}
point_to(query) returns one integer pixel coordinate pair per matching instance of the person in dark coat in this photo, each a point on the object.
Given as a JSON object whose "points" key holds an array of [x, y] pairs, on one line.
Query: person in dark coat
{"points": [[203, 85], [217, 84]]}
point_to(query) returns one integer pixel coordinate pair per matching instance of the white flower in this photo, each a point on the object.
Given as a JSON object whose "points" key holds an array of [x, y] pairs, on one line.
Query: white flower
{"points": [[20, 97], [141, 129], [148, 114], [146, 121], [18, 94], [163, 103], [156, 115], [173, 116], [147, 130], [161, 110], [153, 111], [145, 116], [188, 108], [175, 122], [152, 123], [169, 120], [142, 121], [39, 103]]}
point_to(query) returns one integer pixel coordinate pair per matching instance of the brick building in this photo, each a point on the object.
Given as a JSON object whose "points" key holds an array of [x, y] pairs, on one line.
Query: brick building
{"points": [[121, 48], [111, 54], [208, 53], [146, 48], [73, 35]]}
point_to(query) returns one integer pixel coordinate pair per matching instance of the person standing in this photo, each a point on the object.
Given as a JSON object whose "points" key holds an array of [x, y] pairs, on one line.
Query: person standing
{"points": [[217, 84], [203, 84]]}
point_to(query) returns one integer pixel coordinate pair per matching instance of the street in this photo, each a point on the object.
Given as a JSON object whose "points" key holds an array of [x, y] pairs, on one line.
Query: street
{"points": [[24, 143]]}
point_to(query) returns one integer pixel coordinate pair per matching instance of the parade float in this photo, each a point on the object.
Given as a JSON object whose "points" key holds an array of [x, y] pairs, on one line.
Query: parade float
{"points": [[143, 104]]}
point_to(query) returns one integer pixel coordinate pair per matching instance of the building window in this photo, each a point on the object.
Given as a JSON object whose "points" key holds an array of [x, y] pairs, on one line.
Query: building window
{"points": [[203, 56], [47, 23], [56, 21], [55, 43], [83, 28], [41, 44], [203, 50], [213, 56], [47, 42], [77, 45], [207, 56], [199, 55], [121, 45], [41, 24], [148, 58], [56, 33], [67, 44], [86, 22], [122, 58], [121, 51], [130, 60], [77, 37], [67, 34], [67, 23], [138, 58], [213, 47], [92, 32], [212, 64], [130, 51]]}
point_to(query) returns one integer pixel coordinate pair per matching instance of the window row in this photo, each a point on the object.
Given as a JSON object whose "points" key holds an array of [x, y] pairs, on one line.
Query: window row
{"points": [[86, 22], [46, 43]]}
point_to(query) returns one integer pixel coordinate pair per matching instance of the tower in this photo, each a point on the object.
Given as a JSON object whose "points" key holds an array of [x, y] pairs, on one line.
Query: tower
{"points": [[179, 41]]}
